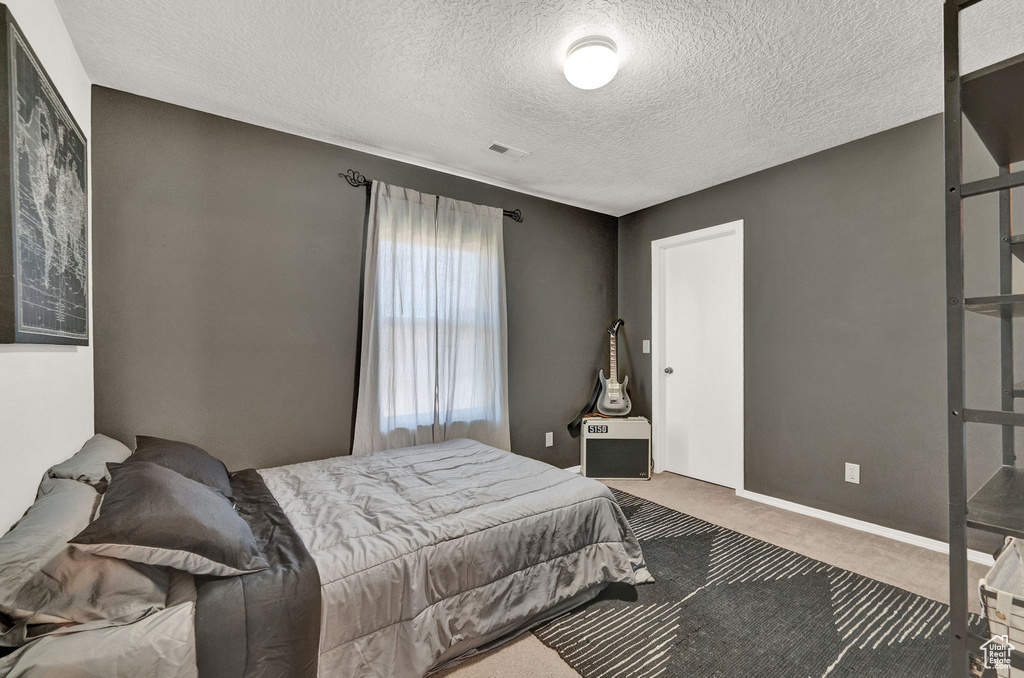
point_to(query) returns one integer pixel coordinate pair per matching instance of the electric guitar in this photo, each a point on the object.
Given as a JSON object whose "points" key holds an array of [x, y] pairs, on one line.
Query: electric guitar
{"points": [[613, 399]]}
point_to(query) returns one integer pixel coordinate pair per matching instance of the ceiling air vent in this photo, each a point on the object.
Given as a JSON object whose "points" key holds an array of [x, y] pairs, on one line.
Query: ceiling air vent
{"points": [[508, 151]]}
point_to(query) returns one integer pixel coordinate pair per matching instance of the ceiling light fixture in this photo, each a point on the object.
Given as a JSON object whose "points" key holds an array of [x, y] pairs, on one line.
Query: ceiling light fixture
{"points": [[591, 62]]}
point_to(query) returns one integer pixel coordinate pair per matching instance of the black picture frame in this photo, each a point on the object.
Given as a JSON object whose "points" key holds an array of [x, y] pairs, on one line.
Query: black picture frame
{"points": [[44, 203]]}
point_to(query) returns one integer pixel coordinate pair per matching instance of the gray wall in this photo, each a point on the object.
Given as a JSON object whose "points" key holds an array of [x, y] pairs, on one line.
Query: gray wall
{"points": [[226, 279], [226, 271], [844, 322]]}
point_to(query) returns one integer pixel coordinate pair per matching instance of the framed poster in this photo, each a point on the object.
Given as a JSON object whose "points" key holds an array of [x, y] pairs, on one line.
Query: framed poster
{"points": [[44, 204]]}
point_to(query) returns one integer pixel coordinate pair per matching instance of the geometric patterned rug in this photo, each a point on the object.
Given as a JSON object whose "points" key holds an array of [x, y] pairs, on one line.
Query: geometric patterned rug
{"points": [[727, 605]]}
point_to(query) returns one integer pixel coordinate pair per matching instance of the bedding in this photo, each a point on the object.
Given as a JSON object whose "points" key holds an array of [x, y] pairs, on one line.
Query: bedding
{"points": [[266, 623], [89, 465], [153, 515], [159, 646], [190, 461], [444, 546], [250, 626], [43, 581], [390, 565]]}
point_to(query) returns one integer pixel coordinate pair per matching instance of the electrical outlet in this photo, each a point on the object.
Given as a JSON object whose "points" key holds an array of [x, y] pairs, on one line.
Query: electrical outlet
{"points": [[647, 345], [549, 439], [853, 473]]}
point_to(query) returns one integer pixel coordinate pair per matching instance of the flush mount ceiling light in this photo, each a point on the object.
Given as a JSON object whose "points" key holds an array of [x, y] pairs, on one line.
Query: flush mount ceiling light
{"points": [[591, 62]]}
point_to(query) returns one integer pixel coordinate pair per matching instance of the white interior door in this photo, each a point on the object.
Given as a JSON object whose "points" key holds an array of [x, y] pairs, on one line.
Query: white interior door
{"points": [[698, 354]]}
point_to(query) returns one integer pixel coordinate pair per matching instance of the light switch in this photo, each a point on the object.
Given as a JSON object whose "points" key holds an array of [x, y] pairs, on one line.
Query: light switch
{"points": [[647, 345]]}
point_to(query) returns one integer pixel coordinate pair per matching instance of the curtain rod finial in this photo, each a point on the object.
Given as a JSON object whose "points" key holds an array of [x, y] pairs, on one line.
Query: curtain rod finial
{"points": [[354, 178], [516, 216]]}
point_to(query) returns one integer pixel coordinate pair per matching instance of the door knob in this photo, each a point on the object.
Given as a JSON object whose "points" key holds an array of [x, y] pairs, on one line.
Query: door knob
{"points": [[668, 370]]}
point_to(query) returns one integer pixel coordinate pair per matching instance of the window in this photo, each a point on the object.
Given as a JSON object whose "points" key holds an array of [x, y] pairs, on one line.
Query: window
{"points": [[434, 324], [426, 327]]}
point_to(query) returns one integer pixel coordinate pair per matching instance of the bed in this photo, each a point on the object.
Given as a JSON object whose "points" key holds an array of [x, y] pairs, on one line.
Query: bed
{"points": [[393, 564]]}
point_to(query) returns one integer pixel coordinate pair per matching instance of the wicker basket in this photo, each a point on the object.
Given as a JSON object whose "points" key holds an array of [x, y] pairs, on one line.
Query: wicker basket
{"points": [[1002, 598]]}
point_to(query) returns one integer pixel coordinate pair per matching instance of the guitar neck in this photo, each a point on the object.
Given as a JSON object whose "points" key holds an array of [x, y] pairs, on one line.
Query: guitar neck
{"points": [[614, 365]]}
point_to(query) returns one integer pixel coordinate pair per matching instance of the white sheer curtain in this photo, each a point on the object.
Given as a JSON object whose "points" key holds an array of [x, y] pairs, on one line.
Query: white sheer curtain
{"points": [[434, 363]]}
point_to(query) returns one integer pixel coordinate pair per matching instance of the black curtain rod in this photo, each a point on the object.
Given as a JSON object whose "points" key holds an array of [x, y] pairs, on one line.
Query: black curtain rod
{"points": [[355, 179]]}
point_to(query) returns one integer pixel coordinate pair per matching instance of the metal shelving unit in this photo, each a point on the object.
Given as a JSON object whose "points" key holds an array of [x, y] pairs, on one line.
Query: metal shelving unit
{"points": [[992, 99]]}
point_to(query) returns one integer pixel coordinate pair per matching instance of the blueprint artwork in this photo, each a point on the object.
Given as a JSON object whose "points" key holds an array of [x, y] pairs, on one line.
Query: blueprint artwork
{"points": [[50, 208]]}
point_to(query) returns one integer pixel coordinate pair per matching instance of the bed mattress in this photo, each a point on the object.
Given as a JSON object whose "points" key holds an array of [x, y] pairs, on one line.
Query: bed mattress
{"points": [[427, 552]]}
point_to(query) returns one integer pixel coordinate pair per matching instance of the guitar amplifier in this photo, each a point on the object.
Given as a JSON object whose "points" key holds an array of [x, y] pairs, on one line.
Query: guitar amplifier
{"points": [[616, 448]]}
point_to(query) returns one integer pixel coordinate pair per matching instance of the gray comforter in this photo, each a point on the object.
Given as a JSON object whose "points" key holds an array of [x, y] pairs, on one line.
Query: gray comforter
{"points": [[430, 552], [425, 555]]}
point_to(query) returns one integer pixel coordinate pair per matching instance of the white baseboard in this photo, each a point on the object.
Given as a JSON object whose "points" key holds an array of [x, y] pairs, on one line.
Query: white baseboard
{"points": [[574, 469], [864, 526]]}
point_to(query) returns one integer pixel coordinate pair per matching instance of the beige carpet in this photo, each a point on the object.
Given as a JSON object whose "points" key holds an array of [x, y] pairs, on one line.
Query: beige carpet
{"points": [[909, 567]]}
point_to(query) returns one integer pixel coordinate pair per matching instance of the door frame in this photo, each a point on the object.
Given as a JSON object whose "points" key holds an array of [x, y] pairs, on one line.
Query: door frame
{"points": [[658, 249]]}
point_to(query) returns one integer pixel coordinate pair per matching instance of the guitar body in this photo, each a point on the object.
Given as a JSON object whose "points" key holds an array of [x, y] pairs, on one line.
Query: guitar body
{"points": [[614, 400]]}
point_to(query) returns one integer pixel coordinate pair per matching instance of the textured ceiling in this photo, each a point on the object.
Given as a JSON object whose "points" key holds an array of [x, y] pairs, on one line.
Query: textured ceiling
{"points": [[707, 91]]}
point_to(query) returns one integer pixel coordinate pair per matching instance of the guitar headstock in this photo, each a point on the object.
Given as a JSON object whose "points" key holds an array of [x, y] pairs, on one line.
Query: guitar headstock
{"points": [[613, 329]]}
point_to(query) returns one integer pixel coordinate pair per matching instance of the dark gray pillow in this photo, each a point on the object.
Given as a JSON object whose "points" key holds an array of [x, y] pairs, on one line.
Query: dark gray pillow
{"points": [[89, 465], [188, 460], [153, 515]]}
